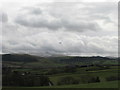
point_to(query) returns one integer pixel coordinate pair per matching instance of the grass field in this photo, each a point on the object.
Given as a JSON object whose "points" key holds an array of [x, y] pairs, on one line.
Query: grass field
{"points": [[81, 72], [112, 84], [55, 71], [113, 71]]}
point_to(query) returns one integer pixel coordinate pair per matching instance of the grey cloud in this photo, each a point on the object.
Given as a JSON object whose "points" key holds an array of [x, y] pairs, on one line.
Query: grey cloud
{"points": [[3, 17], [32, 10], [101, 8], [78, 19], [57, 24], [70, 45], [38, 23], [39, 30], [36, 11], [101, 11]]}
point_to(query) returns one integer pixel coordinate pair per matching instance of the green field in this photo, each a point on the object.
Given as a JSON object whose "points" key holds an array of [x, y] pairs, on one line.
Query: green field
{"points": [[61, 72], [81, 72], [113, 71], [112, 84]]}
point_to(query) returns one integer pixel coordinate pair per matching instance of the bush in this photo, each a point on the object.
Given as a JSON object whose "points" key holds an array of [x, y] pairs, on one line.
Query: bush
{"points": [[89, 79], [51, 71], [93, 79], [18, 79], [67, 80], [112, 78], [69, 69]]}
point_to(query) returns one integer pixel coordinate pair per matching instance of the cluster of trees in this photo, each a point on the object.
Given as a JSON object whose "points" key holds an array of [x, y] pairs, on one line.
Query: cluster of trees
{"points": [[67, 80], [98, 67], [84, 59], [113, 78], [15, 78], [73, 69], [72, 80]]}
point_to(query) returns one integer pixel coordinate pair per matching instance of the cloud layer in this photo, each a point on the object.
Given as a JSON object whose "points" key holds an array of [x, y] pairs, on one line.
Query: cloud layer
{"points": [[61, 28]]}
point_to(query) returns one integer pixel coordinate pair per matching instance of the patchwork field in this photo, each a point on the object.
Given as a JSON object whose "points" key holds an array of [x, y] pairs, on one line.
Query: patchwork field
{"points": [[60, 72]]}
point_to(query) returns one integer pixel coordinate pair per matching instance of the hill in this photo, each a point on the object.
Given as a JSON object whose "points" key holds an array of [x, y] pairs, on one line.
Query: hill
{"points": [[19, 58], [36, 61]]}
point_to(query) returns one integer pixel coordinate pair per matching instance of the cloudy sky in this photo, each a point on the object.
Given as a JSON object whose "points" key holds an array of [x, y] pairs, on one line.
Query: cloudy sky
{"points": [[59, 28]]}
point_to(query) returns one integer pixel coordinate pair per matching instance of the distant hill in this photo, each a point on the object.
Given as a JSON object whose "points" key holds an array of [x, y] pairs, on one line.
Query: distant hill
{"points": [[36, 61], [85, 59], [19, 58]]}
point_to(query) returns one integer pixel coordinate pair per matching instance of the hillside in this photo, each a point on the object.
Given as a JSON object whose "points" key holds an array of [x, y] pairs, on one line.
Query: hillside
{"points": [[25, 60], [19, 58]]}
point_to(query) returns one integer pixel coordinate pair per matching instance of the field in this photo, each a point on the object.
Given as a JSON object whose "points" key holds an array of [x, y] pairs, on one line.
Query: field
{"points": [[61, 72], [112, 84], [81, 72]]}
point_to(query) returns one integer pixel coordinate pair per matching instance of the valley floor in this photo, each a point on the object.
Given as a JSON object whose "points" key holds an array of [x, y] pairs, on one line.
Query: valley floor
{"points": [[111, 84]]}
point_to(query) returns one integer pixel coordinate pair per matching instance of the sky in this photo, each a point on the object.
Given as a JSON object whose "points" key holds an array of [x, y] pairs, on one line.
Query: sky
{"points": [[76, 28]]}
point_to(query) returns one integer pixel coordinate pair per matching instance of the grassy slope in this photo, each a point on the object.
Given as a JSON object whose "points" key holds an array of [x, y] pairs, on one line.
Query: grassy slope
{"points": [[55, 61], [101, 73], [112, 84], [80, 72]]}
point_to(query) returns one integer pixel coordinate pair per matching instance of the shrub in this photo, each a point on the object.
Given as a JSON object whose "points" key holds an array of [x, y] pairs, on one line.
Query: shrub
{"points": [[69, 69], [17, 79], [93, 79], [67, 80], [89, 79], [112, 78]]}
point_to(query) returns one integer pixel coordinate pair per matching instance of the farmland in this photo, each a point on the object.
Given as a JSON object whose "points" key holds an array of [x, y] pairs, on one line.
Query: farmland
{"points": [[61, 72]]}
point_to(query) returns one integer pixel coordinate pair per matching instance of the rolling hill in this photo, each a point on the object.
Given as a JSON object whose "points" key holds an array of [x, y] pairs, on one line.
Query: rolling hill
{"points": [[37, 61]]}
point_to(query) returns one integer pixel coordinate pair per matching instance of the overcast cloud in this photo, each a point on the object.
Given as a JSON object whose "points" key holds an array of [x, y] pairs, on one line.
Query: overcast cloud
{"points": [[64, 28]]}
